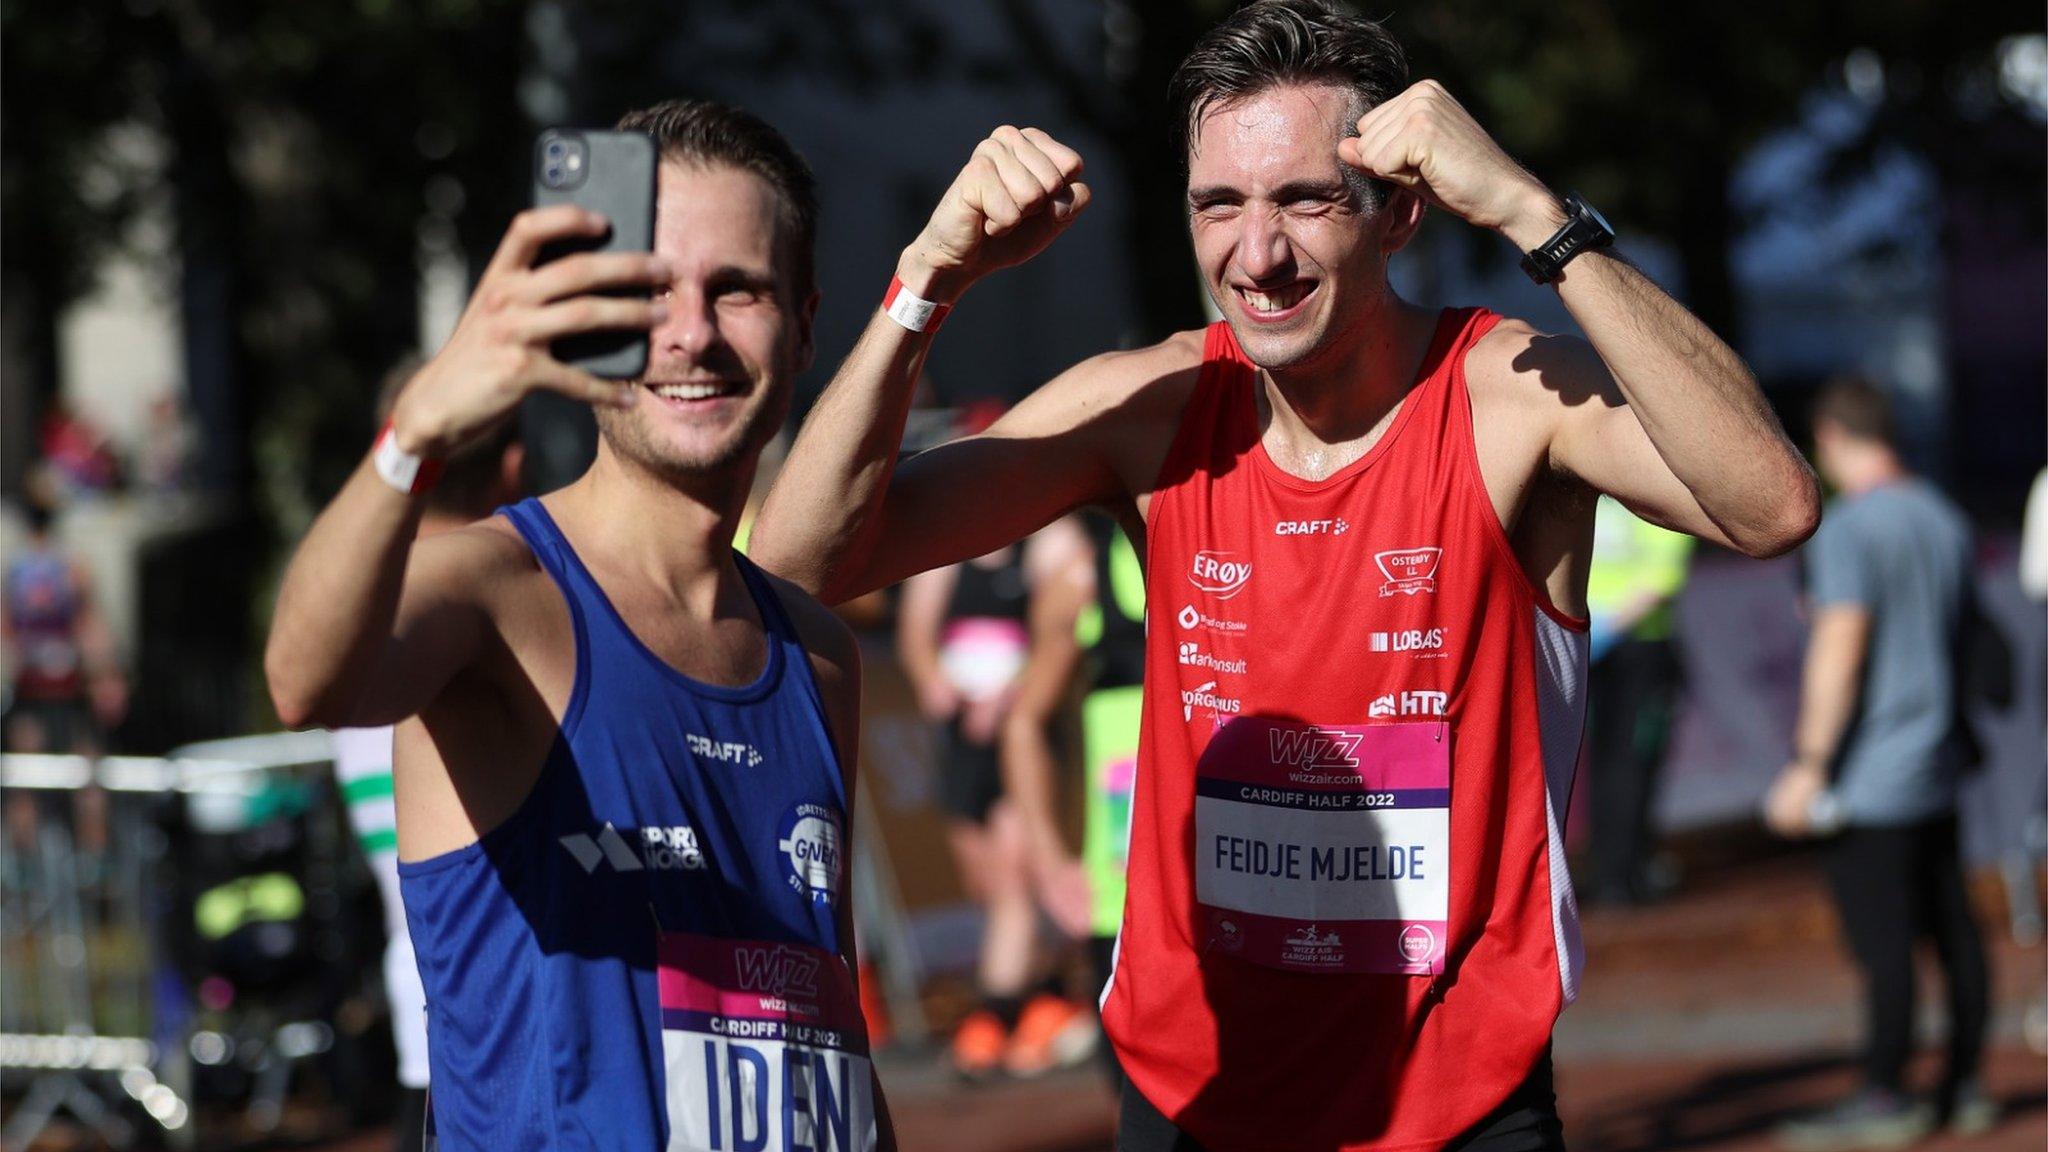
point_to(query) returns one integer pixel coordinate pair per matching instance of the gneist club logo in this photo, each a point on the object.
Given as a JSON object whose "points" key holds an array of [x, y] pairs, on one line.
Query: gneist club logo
{"points": [[1409, 570]]}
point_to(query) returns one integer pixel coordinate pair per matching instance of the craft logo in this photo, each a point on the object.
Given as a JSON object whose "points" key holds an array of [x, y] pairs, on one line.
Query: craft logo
{"points": [[1336, 527], [1192, 655], [1409, 570], [1312, 748], [1413, 640], [1217, 574], [1418, 943], [729, 751], [778, 971], [662, 849], [1205, 697], [810, 841], [1409, 704]]}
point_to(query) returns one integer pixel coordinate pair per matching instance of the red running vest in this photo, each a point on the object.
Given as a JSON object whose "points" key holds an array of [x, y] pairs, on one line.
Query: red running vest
{"points": [[1349, 923]]}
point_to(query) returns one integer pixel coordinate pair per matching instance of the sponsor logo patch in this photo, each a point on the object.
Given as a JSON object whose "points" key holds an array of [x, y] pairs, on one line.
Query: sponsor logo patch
{"points": [[1409, 571], [1192, 655], [662, 849], [809, 843], [1408, 704], [1218, 574], [1189, 618], [1412, 641], [1336, 527]]}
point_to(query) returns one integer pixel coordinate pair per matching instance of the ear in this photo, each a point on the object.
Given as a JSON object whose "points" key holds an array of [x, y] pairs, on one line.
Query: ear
{"points": [[806, 331], [1402, 214]]}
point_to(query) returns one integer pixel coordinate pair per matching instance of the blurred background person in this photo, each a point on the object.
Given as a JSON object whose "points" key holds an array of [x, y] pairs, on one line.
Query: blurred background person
{"points": [[1638, 571], [1878, 756], [65, 676], [1089, 619], [476, 479], [964, 639]]}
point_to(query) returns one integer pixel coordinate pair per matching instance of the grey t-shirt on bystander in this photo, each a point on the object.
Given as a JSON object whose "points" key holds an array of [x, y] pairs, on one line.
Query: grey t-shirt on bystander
{"points": [[1902, 552]]}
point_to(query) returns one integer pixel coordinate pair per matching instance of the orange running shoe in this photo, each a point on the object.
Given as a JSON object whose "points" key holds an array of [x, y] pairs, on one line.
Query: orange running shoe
{"points": [[978, 1045], [1052, 1033]]}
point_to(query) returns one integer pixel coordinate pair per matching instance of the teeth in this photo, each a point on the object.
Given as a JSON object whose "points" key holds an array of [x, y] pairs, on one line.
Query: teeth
{"points": [[1279, 300], [689, 391]]}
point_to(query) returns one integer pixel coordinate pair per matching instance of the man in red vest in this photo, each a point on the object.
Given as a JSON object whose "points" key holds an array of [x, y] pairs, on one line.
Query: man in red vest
{"points": [[1368, 524]]}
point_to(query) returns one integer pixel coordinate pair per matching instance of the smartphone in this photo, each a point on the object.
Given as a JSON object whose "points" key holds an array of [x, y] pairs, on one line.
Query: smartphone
{"points": [[610, 173]]}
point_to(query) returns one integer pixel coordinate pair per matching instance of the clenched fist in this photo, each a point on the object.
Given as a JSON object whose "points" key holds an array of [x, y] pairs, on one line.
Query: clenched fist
{"points": [[1425, 141], [1021, 189], [499, 351]]}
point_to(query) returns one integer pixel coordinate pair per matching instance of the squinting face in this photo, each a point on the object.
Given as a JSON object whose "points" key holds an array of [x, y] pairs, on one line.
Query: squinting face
{"points": [[719, 368], [1287, 249]]}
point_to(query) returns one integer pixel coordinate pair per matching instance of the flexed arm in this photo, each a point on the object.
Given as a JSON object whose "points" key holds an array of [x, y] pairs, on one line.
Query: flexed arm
{"points": [[1679, 431], [832, 522], [360, 638]]}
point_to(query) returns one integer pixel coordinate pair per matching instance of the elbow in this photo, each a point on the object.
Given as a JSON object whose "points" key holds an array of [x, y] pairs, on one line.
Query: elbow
{"points": [[1788, 522], [297, 703]]}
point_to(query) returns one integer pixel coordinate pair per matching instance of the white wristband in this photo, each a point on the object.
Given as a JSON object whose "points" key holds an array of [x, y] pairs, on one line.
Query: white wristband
{"points": [[911, 310], [402, 470]]}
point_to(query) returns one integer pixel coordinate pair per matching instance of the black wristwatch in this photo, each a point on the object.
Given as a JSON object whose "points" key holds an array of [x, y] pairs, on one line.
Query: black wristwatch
{"points": [[1585, 230]]}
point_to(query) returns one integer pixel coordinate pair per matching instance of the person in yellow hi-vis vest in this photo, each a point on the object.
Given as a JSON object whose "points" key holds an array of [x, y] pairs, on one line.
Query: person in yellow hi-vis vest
{"points": [[1638, 571]]}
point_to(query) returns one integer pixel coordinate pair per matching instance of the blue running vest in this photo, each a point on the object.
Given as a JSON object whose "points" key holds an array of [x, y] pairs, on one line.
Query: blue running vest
{"points": [[646, 955]]}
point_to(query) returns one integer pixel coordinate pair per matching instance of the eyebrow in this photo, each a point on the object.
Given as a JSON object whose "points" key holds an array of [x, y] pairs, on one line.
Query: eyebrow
{"points": [[1336, 189]]}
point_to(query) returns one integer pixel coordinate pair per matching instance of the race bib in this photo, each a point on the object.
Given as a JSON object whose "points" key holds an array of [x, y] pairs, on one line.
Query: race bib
{"points": [[765, 1048], [1326, 847]]}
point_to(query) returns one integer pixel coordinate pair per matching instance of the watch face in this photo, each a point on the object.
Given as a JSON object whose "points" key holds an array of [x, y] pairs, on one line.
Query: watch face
{"points": [[1593, 214]]}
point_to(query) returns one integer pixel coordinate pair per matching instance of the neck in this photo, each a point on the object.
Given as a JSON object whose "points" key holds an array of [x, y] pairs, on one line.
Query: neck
{"points": [[675, 532], [1344, 396]]}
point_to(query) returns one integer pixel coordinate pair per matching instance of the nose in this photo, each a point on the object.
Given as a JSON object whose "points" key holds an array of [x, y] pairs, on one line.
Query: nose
{"points": [[692, 324], [1264, 252]]}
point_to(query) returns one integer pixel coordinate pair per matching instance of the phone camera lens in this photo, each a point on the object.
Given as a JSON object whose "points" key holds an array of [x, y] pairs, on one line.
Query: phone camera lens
{"points": [[554, 173], [555, 149]]}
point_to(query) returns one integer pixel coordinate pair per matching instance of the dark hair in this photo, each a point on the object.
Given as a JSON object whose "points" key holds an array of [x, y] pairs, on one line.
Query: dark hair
{"points": [[1858, 407], [1273, 42], [707, 132], [469, 482]]}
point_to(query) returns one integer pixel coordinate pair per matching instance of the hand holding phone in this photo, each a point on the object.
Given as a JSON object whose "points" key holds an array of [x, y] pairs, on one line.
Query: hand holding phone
{"points": [[529, 311], [613, 175]]}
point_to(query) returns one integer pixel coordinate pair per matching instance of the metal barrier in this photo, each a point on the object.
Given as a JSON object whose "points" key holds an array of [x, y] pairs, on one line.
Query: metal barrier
{"points": [[88, 1018]]}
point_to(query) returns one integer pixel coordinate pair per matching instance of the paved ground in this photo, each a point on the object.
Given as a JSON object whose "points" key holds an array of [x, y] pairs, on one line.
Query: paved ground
{"points": [[1702, 1023]]}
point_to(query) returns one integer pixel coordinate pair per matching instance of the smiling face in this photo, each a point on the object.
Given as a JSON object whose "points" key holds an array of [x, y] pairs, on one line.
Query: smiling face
{"points": [[719, 369], [1292, 250]]}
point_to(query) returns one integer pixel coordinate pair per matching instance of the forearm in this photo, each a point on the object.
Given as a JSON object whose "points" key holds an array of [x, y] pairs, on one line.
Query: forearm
{"points": [[1029, 769], [823, 515], [1830, 685], [1692, 394], [339, 601]]}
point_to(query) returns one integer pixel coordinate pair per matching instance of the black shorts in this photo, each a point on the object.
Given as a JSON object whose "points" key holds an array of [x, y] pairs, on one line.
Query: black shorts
{"points": [[970, 774], [1525, 1122]]}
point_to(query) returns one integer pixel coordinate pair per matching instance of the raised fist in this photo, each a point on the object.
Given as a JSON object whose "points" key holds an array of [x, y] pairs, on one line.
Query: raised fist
{"points": [[1021, 189], [1425, 141]]}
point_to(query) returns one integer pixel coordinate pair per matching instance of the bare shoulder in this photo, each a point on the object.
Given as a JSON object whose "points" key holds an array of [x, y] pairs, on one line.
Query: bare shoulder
{"points": [[1517, 364], [475, 561]]}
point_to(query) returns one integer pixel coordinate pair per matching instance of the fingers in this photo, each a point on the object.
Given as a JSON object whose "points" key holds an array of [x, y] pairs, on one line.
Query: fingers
{"points": [[1023, 172], [554, 376], [588, 314], [536, 227], [590, 271]]}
